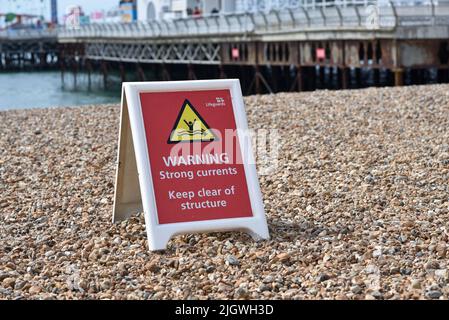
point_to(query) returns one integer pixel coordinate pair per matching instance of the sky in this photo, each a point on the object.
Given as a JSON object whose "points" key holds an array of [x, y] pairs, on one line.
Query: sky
{"points": [[43, 6]]}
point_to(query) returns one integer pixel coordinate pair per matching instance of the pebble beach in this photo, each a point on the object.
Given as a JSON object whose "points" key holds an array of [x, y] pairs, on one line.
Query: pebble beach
{"points": [[357, 209]]}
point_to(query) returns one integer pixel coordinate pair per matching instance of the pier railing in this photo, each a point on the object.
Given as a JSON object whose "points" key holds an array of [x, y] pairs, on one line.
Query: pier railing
{"points": [[313, 16], [293, 16], [28, 34]]}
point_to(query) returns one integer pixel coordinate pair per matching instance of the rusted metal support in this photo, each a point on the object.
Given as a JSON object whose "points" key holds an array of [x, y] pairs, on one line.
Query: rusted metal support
{"points": [[62, 67], [75, 73], [191, 72], [443, 75], [259, 79], [122, 72], [310, 76], [297, 84], [322, 76], [140, 73], [42, 59], [376, 77], [398, 77], [104, 69], [344, 77], [89, 74], [165, 73], [331, 77], [358, 77], [222, 72], [275, 79]]}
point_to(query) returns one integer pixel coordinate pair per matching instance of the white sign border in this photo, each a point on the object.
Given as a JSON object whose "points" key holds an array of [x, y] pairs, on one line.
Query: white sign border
{"points": [[160, 234]]}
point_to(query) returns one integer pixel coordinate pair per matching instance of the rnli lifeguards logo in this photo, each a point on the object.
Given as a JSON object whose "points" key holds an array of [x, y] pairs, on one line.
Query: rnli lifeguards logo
{"points": [[190, 127]]}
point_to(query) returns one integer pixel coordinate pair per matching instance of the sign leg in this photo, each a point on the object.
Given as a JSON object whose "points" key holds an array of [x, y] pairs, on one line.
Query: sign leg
{"points": [[127, 200]]}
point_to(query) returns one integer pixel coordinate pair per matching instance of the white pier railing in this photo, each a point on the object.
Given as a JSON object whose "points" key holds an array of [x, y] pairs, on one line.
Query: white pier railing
{"points": [[292, 16]]}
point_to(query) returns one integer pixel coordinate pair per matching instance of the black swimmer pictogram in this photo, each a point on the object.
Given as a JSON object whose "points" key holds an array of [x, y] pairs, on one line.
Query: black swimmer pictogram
{"points": [[190, 127]]}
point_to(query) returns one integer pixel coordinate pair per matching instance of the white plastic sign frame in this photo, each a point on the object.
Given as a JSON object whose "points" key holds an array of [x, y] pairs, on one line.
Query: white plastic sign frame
{"points": [[134, 191]]}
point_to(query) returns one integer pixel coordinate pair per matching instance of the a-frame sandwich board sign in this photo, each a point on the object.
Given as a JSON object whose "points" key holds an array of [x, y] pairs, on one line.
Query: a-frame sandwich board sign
{"points": [[185, 159]]}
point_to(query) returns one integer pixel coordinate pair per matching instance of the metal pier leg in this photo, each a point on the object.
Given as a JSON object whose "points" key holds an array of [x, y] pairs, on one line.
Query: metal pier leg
{"points": [[191, 72], [322, 74], [398, 77], [104, 69], [165, 74], [344, 77], [297, 82], [62, 66], [258, 79], [358, 77], [122, 72], [89, 73], [140, 73], [222, 72], [443, 75], [75, 73], [376, 77], [42, 60], [275, 78]]}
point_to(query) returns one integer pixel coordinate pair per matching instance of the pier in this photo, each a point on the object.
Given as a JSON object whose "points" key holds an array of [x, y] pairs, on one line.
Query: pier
{"points": [[307, 45]]}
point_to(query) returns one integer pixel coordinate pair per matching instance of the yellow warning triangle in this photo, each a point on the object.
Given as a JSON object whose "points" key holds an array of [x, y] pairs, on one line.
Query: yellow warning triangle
{"points": [[190, 127]]}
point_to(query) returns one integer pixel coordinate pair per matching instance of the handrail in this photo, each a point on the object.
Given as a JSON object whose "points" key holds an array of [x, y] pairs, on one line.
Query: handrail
{"points": [[292, 16], [286, 20]]}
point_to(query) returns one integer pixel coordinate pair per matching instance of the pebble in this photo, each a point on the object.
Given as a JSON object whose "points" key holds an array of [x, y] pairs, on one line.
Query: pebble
{"points": [[8, 282], [434, 294], [241, 293], [356, 289], [360, 191], [232, 260], [322, 277], [106, 285], [283, 257], [264, 287], [34, 290], [416, 284]]}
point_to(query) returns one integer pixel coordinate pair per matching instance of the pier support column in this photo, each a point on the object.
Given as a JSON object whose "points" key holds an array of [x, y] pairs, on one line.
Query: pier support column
{"points": [[191, 72], [165, 73], [104, 70], [376, 77], [275, 78], [309, 77], [122, 72], [443, 75], [344, 77], [258, 80], [398, 77], [140, 73], [89, 74], [222, 73], [75, 73], [42, 60], [321, 77], [358, 77], [297, 84], [331, 77], [62, 67]]}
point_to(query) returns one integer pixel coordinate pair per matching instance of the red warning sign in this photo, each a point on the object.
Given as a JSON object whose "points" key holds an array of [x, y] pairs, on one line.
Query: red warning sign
{"points": [[197, 173]]}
